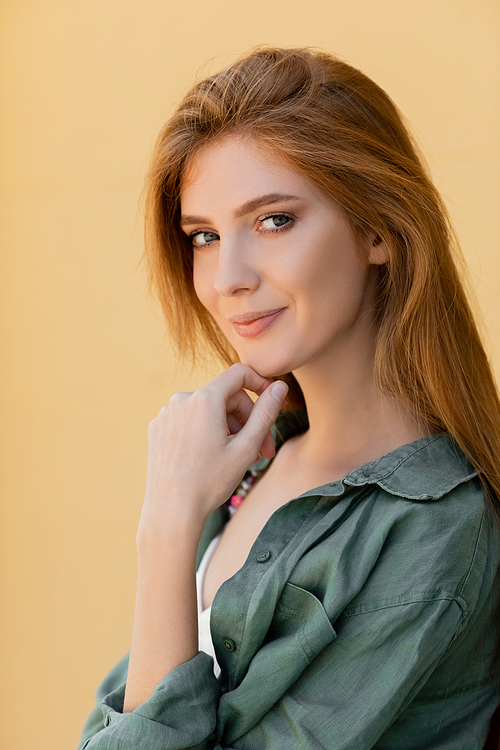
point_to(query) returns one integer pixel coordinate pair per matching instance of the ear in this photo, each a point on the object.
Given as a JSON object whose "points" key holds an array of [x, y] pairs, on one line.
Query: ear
{"points": [[377, 250]]}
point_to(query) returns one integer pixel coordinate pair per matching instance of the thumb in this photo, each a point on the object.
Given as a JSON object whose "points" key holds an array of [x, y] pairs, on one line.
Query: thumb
{"points": [[255, 432], [277, 391]]}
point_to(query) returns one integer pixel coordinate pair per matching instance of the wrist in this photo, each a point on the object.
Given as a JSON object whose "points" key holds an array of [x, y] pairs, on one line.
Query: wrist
{"points": [[159, 530]]}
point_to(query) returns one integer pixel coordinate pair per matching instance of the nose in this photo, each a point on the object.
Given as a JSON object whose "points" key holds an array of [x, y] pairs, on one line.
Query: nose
{"points": [[236, 271]]}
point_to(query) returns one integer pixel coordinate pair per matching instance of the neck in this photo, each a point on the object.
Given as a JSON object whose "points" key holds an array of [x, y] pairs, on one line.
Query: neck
{"points": [[351, 420]]}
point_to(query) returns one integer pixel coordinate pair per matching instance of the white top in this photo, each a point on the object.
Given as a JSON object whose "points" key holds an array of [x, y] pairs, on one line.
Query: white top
{"points": [[204, 635]]}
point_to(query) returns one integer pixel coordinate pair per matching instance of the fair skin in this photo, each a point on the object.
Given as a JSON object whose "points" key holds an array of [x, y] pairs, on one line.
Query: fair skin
{"points": [[264, 241]]}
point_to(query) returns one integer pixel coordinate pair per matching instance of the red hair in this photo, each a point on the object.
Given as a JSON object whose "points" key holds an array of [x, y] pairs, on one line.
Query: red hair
{"points": [[337, 128]]}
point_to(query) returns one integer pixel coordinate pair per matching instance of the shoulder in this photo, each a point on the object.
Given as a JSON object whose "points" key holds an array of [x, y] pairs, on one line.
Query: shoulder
{"points": [[439, 549], [425, 470], [427, 489], [422, 530], [429, 500]]}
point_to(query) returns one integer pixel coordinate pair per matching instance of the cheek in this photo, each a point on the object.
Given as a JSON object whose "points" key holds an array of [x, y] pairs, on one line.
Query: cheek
{"points": [[201, 282], [332, 280], [313, 268]]}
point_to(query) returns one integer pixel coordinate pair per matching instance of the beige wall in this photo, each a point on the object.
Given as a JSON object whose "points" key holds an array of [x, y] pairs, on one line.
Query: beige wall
{"points": [[86, 84]]}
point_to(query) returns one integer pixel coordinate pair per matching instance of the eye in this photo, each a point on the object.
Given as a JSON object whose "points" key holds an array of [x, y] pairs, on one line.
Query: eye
{"points": [[201, 239], [276, 222]]}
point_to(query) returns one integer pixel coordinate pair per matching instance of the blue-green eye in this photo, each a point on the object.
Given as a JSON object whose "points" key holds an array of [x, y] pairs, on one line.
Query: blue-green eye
{"points": [[199, 239], [276, 221]]}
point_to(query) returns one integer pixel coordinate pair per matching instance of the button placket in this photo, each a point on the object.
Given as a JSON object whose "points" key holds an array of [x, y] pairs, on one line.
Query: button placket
{"points": [[235, 596]]}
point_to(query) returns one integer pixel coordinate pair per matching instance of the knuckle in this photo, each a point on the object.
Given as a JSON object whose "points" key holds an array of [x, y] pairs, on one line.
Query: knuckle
{"points": [[266, 416], [202, 394], [177, 398], [162, 413], [239, 412]]}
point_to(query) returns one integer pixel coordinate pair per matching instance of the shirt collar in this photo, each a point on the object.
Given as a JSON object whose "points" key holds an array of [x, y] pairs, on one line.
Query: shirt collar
{"points": [[426, 469]]}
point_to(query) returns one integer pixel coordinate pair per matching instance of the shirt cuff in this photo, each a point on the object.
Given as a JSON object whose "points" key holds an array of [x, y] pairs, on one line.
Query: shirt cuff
{"points": [[181, 712]]}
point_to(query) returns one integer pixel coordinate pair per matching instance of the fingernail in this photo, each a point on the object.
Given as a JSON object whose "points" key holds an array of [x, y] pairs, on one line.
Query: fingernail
{"points": [[279, 389]]}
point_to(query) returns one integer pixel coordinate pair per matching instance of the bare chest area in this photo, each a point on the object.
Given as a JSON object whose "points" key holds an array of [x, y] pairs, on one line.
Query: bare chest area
{"points": [[275, 488]]}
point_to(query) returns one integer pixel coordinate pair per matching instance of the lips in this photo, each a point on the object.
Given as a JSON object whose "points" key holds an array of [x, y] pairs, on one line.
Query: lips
{"points": [[253, 324]]}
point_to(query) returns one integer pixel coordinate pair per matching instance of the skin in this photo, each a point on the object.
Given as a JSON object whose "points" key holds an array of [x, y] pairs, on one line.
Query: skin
{"points": [[308, 262]]}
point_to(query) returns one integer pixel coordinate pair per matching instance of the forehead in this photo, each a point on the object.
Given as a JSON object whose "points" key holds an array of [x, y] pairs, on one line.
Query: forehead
{"points": [[236, 169]]}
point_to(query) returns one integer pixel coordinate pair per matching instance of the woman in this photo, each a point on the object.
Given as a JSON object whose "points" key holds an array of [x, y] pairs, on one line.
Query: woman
{"points": [[292, 224]]}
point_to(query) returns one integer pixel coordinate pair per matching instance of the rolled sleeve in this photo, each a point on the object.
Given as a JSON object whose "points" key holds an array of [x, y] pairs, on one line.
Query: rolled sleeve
{"points": [[181, 712]]}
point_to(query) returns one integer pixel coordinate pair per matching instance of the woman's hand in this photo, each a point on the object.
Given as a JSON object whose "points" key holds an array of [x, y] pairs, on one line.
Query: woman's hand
{"points": [[199, 448], [202, 443]]}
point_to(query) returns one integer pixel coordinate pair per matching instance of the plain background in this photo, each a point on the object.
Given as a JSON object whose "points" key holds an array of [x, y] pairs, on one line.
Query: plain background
{"points": [[85, 362]]}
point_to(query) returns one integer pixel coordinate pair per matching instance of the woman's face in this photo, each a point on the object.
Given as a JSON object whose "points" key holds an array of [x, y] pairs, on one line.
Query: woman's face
{"points": [[275, 262]]}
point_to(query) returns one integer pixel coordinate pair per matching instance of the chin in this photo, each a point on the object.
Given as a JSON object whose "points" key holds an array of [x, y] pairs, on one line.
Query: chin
{"points": [[268, 367]]}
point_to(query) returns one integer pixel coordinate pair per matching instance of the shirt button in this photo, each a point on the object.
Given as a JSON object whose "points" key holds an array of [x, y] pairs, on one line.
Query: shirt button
{"points": [[229, 645], [264, 556]]}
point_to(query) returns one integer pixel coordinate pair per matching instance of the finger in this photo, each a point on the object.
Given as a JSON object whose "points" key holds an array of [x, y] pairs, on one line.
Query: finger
{"points": [[240, 405], [263, 416], [239, 408], [233, 424], [237, 377], [267, 448]]}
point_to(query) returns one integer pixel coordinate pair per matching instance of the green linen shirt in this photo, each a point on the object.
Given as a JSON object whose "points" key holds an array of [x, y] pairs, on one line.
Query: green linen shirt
{"points": [[363, 618]]}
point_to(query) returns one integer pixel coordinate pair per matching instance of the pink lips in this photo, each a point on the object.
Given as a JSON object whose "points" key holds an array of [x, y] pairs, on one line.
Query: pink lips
{"points": [[253, 324]]}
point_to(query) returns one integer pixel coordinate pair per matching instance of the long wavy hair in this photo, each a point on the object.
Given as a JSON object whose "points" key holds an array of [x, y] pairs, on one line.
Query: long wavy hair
{"points": [[337, 128]]}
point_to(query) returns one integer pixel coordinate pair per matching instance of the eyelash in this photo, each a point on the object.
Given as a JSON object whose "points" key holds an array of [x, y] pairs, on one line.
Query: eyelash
{"points": [[290, 223]]}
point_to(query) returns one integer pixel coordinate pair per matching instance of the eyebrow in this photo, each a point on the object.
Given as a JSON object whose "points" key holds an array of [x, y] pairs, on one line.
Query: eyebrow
{"points": [[246, 208]]}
